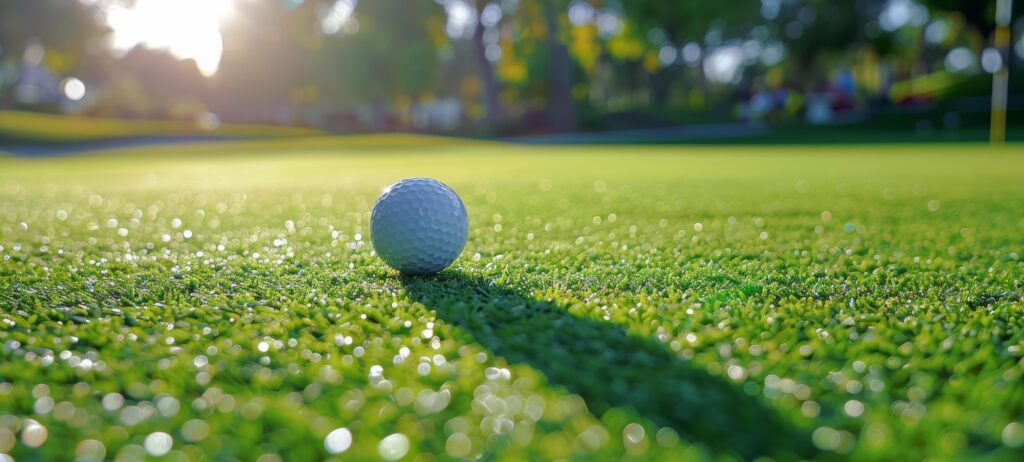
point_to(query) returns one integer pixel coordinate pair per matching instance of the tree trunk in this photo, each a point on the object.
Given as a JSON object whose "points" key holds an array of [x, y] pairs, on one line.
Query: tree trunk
{"points": [[486, 73], [661, 85], [561, 113]]}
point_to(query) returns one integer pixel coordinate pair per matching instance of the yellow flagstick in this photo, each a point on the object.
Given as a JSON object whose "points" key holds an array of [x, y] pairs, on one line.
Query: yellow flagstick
{"points": [[1000, 80]]}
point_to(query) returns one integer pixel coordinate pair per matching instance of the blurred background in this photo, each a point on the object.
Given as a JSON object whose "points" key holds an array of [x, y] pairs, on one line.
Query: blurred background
{"points": [[548, 71]]}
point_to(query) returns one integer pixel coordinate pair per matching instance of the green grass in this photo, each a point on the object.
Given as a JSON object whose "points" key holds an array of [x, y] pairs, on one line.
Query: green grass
{"points": [[28, 127], [612, 302]]}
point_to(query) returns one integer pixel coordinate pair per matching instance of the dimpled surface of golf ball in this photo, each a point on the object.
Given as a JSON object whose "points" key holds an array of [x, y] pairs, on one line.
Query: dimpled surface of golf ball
{"points": [[419, 226]]}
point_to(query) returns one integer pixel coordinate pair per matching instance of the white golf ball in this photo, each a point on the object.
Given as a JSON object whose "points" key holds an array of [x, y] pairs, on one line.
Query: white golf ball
{"points": [[419, 226]]}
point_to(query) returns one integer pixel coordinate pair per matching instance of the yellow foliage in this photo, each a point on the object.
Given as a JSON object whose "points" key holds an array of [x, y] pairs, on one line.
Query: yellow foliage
{"points": [[794, 103], [627, 45], [470, 87], [774, 78], [533, 20], [931, 85], [651, 62], [435, 29], [512, 72], [867, 71], [58, 62], [511, 69], [585, 47]]}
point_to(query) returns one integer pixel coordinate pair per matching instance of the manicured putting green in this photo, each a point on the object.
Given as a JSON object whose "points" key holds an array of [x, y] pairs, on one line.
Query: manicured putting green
{"points": [[679, 303]]}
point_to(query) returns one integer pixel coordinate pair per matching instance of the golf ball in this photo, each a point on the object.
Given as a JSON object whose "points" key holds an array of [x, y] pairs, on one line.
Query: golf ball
{"points": [[419, 226]]}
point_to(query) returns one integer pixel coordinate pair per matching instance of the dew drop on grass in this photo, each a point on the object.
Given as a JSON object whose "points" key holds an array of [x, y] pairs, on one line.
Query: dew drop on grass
{"points": [[90, 451], [33, 434], [112, 401], [43, 405], [394, 446], [195, 430], [667, 437], [810, 409], [825, 438], [158, 443], [458, 445], [633, 433], [1013, 435], [338, 441], [853, 408]]}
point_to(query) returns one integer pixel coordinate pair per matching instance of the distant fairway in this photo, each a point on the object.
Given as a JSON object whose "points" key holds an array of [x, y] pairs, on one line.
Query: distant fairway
{"points": [[816, 302], [47, 129]]}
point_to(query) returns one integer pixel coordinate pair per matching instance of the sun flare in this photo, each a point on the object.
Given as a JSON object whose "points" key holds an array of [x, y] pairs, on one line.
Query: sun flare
{"points": [[188, 29]]}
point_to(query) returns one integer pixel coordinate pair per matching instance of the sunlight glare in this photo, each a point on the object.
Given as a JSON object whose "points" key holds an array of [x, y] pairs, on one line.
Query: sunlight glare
{"points": [[188, 29]]}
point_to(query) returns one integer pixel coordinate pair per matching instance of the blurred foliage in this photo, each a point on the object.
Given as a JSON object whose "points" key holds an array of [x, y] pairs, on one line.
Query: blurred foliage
{"points": [[69, 26], [690, 20], [824, 26], [393, 53], [979, 14], [527, 70], [267, 53]]}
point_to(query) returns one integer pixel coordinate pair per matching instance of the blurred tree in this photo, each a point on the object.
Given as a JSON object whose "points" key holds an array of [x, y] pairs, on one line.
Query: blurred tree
{"points": [[270, 50], [536, 66], [561, 111], [485, 69], [812, 29], [626, 56], [67, 31], [977, 13], [67, 26], [673, 22], [390, 54], [152, 83], [685, 20]]}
